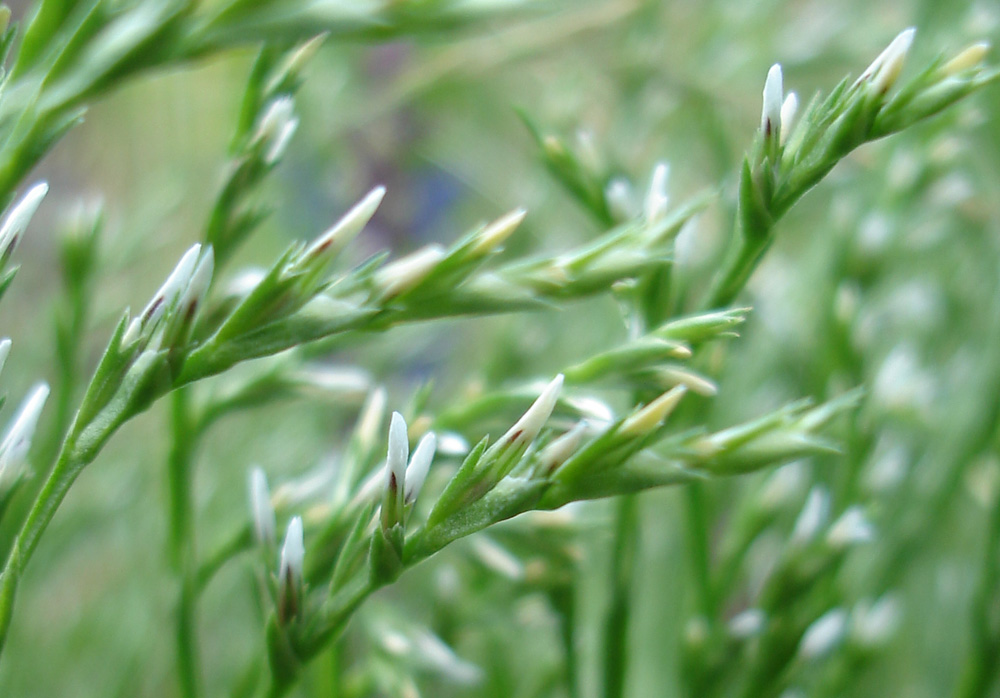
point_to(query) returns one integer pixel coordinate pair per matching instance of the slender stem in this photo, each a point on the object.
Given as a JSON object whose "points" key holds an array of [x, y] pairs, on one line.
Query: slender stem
{"points": [[981, 666], [563, 600], [698, 524], [182, 549], [617, 619], [736, 271], [61, 477]]}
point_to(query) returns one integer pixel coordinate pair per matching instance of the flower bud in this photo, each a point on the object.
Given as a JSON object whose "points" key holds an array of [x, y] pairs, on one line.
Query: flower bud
{"points": [[290, 577], [885, 69], [395, 472], [17, 220], [15, 445], [656, 199], [527, 427], [4, 351], [420, 463], [652, 415], [403, 274], [788, 109], [813, 516], [770, 118], [969, 58], [824, 634], [337, 237], [494, 234], [260, 506], [747, 624], [851, 528]]}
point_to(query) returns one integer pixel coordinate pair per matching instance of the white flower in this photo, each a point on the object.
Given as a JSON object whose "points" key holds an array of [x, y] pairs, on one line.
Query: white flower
{"points": [[420, 463], [770, 117], [497, 558], [338, 382], [620, 199], [813, 515], [433, 651], [852, 527], [337, 237], [197, 287], [277, 127], [788, 109], [19, 217], [874, 623], [279, 112], [782, 486], [280, 143], [697, 384], [17, 442], [398, 453], [747, 624], [405, 273], [824, 634], [494, 234], [889, 64], [452, 444], [164, 299], [656, 199], [370, 421], [652, 415], [260, 505], [292, 555], [4, 351], [527, 427], [970, 57], [559, 451]]}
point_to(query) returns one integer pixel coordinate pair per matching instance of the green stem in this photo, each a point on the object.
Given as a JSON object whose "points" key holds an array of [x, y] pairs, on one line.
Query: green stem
{"points": [[182, 549], [617, 620], [698, 524], [42, 511], [981, 665], [737, 270], [563, 599]]}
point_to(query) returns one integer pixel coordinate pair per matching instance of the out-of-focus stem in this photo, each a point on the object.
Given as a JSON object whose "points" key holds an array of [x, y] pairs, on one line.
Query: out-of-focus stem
{"points": [[182, 550], [617, 619]]}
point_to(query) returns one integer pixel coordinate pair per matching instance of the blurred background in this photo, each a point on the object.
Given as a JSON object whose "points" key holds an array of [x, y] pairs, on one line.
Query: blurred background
{"points": [[884, 276]]}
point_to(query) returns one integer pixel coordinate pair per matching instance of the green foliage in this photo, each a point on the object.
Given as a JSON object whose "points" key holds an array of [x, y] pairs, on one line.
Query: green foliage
{"points": [[412, 562]]}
